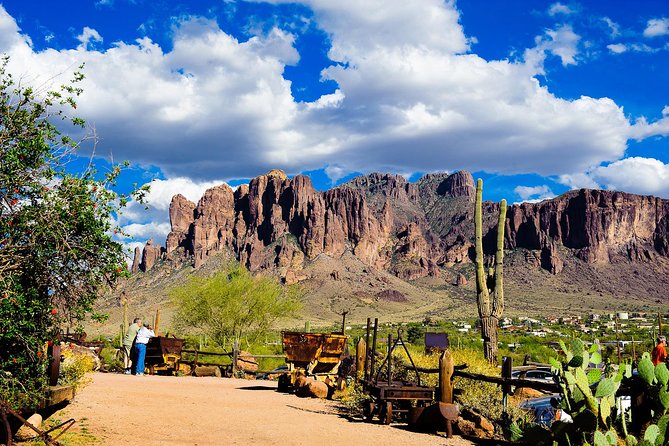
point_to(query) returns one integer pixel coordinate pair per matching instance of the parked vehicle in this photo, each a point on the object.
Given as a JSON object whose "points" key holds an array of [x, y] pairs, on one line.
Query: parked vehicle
{"points": [[535, 375], [545, 412]]}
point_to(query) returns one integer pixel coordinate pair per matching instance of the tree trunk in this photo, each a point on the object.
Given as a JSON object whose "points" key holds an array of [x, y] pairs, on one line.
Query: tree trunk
{"points": [[489, 335]]}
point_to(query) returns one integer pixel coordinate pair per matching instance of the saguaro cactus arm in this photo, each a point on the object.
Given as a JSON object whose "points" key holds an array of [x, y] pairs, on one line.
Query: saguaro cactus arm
{"points": [[498, 301]]}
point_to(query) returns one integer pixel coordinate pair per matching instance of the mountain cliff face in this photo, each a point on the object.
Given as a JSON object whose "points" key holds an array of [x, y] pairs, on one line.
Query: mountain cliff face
{"points": [[412, 230]]}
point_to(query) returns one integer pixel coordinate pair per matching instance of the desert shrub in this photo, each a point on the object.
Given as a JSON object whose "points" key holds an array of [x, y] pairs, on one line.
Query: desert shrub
{"points": [[110, 359], [352, 398], [74, 369]]}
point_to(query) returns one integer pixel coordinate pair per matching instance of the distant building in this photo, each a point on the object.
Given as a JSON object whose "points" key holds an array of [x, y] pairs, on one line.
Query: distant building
{"points": [[623, 315]]}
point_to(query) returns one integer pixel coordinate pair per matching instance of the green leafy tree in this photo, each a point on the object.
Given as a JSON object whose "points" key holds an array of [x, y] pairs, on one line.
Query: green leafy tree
{"points": [[232, 303], [56, 247]]}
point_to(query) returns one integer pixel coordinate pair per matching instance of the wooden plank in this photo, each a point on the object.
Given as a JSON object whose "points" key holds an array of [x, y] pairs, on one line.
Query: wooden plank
{"points": [[206, 353], [59, 394]]}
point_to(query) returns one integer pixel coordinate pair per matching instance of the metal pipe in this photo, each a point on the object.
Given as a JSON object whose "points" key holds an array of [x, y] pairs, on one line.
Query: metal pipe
{"points": [[390, 358], [343, 322]]}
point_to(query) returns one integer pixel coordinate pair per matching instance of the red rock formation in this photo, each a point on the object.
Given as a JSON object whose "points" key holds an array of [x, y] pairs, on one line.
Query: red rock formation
{"points": [[181, 220], [409, 229], [150, 255]]}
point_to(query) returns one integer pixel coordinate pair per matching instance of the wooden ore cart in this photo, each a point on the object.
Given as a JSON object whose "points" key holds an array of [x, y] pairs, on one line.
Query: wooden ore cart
{"points": [[163, 355], [317, 355]]}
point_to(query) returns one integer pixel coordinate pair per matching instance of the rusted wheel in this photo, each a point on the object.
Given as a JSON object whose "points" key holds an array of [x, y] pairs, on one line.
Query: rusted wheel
{"points": [[283, 384], [368, 410]]}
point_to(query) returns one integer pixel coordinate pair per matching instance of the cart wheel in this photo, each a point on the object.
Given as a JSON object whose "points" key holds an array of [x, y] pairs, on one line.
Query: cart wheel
{"points": [[283, 384], [387, 413], [368, 410]]}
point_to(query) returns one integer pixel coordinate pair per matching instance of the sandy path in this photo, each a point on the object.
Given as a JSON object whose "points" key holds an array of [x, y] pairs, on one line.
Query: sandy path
{"points": [[158, 410]]}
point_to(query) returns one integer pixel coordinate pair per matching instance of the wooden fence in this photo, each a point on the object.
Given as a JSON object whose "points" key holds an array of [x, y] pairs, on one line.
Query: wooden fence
{"points": [[234, 355]]}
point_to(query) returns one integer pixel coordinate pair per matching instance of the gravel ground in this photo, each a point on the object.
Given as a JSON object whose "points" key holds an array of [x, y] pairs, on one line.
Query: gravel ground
{"points": [[157, 410]]}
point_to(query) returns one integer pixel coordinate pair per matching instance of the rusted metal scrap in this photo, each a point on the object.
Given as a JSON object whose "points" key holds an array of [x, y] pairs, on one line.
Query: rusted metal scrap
{"points": [[45, 436]]}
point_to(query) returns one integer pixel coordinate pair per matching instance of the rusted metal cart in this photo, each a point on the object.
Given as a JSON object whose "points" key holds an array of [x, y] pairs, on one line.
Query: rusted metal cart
{"points": [[163, 355], [317, 355], [389, 398]]}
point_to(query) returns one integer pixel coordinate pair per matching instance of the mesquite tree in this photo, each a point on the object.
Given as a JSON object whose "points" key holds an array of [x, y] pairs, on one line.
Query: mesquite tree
{"points": [[489, 286]]}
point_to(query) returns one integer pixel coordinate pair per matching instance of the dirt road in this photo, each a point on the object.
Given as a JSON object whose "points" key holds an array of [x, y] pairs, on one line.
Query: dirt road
{"points": [[161, 410]]}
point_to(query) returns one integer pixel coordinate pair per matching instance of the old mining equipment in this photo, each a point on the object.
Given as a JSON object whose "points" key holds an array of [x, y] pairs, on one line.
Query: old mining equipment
{"points": [[163, 354], [316, 355], [391, 398]]}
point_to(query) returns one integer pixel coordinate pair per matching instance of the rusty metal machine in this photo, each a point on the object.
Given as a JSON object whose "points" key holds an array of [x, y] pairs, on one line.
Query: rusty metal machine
{"points": [[163, 355], [390, 398], [317, 355]]}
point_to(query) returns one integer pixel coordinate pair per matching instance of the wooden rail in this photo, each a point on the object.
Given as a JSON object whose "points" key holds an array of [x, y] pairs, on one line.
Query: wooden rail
{"points": [[233, 355]]}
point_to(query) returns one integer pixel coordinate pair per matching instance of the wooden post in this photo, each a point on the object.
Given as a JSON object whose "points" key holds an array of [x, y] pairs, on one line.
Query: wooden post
{"points": [[633, 351], [343, 322], [124, 327], [235, 353], [367, 349], [390, 359], [446, 369], [360, 358], [155, 328], [197, 356], [372, 360]]}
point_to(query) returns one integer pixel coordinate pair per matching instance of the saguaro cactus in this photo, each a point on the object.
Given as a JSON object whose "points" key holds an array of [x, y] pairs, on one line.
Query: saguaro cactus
{"points": [[490, 286]]}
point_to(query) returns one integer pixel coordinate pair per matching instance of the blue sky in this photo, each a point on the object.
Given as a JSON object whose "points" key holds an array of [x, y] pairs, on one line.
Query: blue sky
{"points": [[536, 97]]}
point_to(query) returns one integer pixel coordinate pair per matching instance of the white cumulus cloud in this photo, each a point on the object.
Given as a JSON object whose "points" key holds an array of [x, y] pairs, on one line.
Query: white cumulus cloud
{"points": [[646, 176], [656, 27], [410, 96]]}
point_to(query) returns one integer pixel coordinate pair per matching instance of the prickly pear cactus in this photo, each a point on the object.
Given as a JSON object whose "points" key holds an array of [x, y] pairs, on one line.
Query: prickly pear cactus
{"points": [[589, 396]]}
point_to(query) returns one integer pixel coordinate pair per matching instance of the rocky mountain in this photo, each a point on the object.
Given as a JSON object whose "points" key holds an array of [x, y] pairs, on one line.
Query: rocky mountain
{"points": [[412, 230], [383, 244]]}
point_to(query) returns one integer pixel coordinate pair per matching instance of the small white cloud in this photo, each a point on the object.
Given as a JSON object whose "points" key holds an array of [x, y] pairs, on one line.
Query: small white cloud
{"points": [[617, 48], [531, 194], [144, 231], [665, 110], [559, 8], [561, 42], [642, 129], [578, 181], [87, 36], [335, 172], [656, 27], [614, 28]]}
